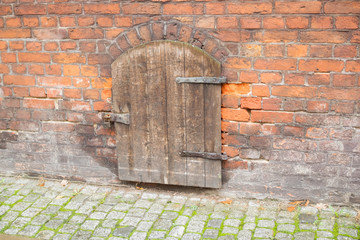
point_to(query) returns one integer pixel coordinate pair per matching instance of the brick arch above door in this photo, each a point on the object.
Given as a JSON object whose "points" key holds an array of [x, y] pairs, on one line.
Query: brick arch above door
{"points": [[170, 30]]}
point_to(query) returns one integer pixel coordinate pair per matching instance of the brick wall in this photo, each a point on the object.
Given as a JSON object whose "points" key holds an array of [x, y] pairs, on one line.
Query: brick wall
{"points": [[291, 109]]}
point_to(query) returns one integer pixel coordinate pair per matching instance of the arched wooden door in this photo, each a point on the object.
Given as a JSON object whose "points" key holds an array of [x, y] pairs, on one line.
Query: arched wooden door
{"points": [[168, 119]]}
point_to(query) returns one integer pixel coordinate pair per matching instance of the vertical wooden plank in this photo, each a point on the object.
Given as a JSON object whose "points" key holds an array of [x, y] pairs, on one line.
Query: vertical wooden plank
{"points": [[212, 101], [194, 117], [157, 112], [139, 119], [121, 104], [174, 58]]}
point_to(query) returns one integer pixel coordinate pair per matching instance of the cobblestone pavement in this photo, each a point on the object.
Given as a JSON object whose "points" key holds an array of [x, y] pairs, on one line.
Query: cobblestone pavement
{"points": [[83, 211]]}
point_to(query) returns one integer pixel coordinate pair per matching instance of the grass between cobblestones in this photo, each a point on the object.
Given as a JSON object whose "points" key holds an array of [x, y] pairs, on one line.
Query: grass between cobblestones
{"points": [[82, 211]]}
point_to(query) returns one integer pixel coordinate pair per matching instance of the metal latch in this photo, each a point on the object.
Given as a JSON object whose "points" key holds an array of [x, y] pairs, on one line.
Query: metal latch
{"points": [[207, 155], [117, 117], [210, 80]]}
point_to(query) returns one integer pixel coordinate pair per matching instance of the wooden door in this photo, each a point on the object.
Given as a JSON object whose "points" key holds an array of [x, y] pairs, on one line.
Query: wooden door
{"points": [[167, 117]]}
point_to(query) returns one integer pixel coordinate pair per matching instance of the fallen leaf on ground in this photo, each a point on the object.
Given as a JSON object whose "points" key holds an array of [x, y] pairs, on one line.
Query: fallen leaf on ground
{"points": [[320, 206], [291, 208], [59, 197], [64, 183], [139, 188], [229, 201], [41, 182]]}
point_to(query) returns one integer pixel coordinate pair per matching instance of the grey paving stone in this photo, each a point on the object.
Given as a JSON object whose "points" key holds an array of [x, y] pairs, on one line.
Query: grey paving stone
{"points": [[214, 223], [98, 215], [142, 203], [169, 215], [104, 208], [13, 199], [226, 237], [3, 209], [348, 212], [157, 235], [232, 222], [266, 223], [348, 231], [156, 208], [324, 234], [191, 236], [304, 236], [263, 233], [346, 222], [268, 214], [3, 225], [285, 220], [286, 228], [150, 216], [73, 205], [12, 231], [249, 219], [181, 220], [29, 230], [20, 222], [200, 217], [117, 238], [40, 219], [82, 235], [244, 235], [90, 224], [130, 221], [236, 214], [77, 219], [31, 212], [51, 209], [326, 224], [136, 212], [146, 195], [309, 210], [286, 214], [309, 227], [307, 218], [163, 224], [102, 232], [54, 224], [174, 207], [177, 231], [230, 230], [218, 215], [109, 223], [138, 236], [60, 201], [63, 215], [115, 215], [69, 228], [340, 237], [144, 226], [45, 234], [21, 206], [249, 226], [283, 236], [87, 208], [41, 203], [179, 199], [211, 233], [122, 207], [195, 226], [10, 216]]}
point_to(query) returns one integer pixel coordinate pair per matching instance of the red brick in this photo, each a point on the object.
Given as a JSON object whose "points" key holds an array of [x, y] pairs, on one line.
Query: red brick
{"points": [[321, 22], [339, 94], [273, 22], [71, 70], [182, 9], [294, 91], [98, 8], [276, 36], [298, 7], [76, 105], [53, 69], [24, 126], [250, 23], [342, 7], [39, 103], [251, 103], [240, 115], [123, 21], [271, 77], [345, 51], [271, 104], [269, 129], [86, 33], [4, 68], [58, 127], [317, 106], [297, 50], [319, 79], [321, 51], [251, 50], [294, 79], [48, 21], [260, 90], [54, 81], [29, 9], [8, 57], [5, 10], [91, 94], [102, 106], [68, 45], [205, 22], [297, 22], [249, 8], [89, 71], [215, 8], [87, 46], [3, 45], [81, 82], [293, 131], [248, 77], [347, 22], [15, 33], [234, 164], [355, 37], [11, 103], [14, 22], [21, 91], [19, 80], [101, 82], [67, 21], [86, 21], [238, 63], [353, 66], [64, 9], [23, 114], [260, 142], [232, 35], [142, 8], [37, 92], [229, 151], [72, 93], [104, 21], [275, 64], [271, 117], [343, 107], [145, 33], [31, 21], [34, 57], [235, 88], [43, 34], [16, 45], [273, 50], [317, 133], [68, 58], [324, 37], [227, 22], [230, 127], [250, 128], [51, 46], [321, 65], [54, 93], [340, 80], [106, 94], [230, 101], [133, 38], [18, 68]]}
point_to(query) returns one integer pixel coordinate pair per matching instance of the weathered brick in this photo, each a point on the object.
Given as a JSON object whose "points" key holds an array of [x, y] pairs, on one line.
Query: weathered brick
{"points": [[15, 33], [298, 7], [72, 93], [271, 117], [251, 103], [250, 23], [234, 164], [353, 66], [294, 79], [111, 8], [321, 22], [215, 8], [54, 81], [297, 22], [249, 8], [319, 79], [235, 114], [321, 51], [317, 106], [321, 65], [345, 51], [238, 63], [273, 50], [58, 127], [182, 9], [342, 7], [39, 103], [232, 35], [261, 90], [43, 34], [24, 126], [324, 37], [341, 80], [275, 64], [8, 57], [5, 10], [19, 80], [48, 21], [273, 22], [68, 58], [14, 22], [235, 88], [141, 8], [30, 9], [294, 91], [271, 104], [76, 105], [86, 33], [64, 8], [339, 93], [276, 36], [347, 22]]}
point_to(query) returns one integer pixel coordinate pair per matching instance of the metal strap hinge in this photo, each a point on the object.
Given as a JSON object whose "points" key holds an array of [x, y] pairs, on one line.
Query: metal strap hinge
{"points": [[117, 117], [207, 155], [210, 80]]}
